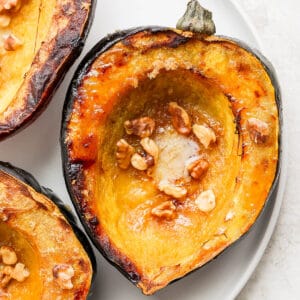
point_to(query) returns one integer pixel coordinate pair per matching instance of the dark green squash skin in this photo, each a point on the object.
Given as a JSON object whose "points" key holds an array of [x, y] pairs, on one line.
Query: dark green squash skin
{"points": [[73, 171], [28, 179]]}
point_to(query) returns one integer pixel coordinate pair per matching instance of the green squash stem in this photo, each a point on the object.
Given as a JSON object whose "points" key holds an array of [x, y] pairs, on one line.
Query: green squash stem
{"points": [[197, 19]]}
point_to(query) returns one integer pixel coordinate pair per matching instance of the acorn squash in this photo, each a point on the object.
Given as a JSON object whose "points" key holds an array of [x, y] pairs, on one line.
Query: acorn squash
{"points": [[39, 41], [171, 146], [43, 254]]}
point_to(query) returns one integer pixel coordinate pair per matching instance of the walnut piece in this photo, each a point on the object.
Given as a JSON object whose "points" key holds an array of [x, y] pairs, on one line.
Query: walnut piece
{"points": [[5, 276], [198, 168], [205, 135], [206, 201], [4, 21], [142, 127], [172, 190], [164, 210], [259, 130], [123, 154], [9, 256], [63, 275], [140, 162], [180, 119], [20, 273], [150, 147], [11, 42]]}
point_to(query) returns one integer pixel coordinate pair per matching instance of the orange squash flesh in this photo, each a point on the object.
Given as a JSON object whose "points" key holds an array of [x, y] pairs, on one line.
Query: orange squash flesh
{"points": [[30, 25], [218, 83], [50, 35], [32, 286], [42, 238]]}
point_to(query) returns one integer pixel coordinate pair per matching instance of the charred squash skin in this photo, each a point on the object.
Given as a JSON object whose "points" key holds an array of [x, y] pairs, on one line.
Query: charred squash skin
{"points": [[86, 114], [25, 186], [63, 43]]}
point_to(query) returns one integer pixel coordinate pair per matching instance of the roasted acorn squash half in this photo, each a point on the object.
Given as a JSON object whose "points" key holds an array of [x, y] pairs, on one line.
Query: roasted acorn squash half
{"points": [[170, 143], [43, 254], [39, 41]]}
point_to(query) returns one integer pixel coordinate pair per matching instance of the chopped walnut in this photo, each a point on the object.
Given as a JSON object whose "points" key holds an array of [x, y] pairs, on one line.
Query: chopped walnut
{"points": [[4, 21], [20, 273], [198, 168], [5, 276], [140, 162], [164, 210], [142, 127], [149, 160], [11, 42], [150, 147], [180, 119], [10, 268], [172, 190], [123, 154], [206, 201], [63, 275], [9, 256], [259, 130], [205, 135]]}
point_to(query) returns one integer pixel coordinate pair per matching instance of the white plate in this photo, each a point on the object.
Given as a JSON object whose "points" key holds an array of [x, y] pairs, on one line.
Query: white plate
{"points": [[37, 150]]}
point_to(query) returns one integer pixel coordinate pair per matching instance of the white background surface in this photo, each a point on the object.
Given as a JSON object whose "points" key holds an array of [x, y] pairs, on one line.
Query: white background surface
{"points": [[36, 149], [278, 274]]}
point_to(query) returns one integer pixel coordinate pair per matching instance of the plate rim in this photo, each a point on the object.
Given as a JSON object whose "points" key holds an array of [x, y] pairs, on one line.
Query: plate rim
{"points": [[274, 215]]}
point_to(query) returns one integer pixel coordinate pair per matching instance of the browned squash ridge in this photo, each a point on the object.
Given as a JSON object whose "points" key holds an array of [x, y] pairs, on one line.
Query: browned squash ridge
{"points": [[223, 91], [51, 34]]}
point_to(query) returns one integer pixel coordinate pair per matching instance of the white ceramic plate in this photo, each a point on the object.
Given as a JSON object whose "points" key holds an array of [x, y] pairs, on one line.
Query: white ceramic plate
{"points": [[37, 150]]}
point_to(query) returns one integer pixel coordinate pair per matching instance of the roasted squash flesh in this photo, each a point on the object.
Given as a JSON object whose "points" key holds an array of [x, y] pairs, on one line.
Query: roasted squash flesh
{"points": [[34, 230], [39, 40], [153, 234], [30, 24], [26, 254]]}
